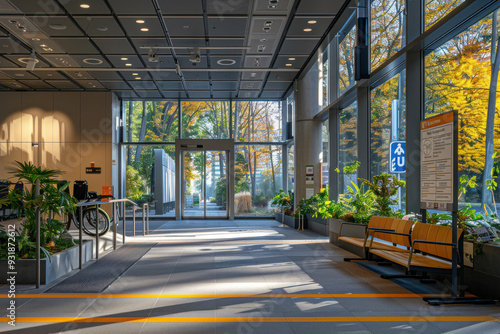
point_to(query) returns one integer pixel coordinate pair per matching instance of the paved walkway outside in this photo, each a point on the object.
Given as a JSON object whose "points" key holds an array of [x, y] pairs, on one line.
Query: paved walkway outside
{"points": [[244, 277]]}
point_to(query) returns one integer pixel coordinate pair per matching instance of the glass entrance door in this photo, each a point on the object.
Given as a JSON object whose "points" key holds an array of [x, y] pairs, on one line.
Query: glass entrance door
{"points": [[204, 185]]}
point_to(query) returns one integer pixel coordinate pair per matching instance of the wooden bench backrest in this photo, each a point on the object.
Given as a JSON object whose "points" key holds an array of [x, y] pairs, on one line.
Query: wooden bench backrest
{"points": [[437, 233], [383, 223], [401, 226]]}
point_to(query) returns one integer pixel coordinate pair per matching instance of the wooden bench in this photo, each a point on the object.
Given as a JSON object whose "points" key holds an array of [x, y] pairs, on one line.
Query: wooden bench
{"points": [[430, 251], [380, 224]]}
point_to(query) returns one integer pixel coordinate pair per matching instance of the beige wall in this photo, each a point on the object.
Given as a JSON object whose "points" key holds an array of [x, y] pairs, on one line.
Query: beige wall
{"points": [[72, 129]]}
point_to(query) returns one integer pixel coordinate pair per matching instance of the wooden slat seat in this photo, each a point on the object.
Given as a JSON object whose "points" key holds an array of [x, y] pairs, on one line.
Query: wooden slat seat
{"points": [[431, 249]]}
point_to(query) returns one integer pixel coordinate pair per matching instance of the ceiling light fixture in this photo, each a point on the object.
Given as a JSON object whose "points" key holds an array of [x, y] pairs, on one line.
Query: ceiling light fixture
{"points": [[140, 21], [84, 6], [124, 58], [226, 62], [195, 56], [312, 22], [307, 29], [291, 58], [288, 65], [144, 29], [102, 28], [128, 64], [153, 55], [92, 61], [138, 78], [57, 26], [135, 73]]}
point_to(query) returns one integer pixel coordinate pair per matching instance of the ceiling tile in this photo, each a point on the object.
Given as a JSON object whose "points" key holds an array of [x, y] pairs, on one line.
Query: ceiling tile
{"points": [[170, 85], [57, 26], [184, 7], [229, 42], [282, 7], [122, 61], [21, 75], [257, 75], [250, 85], [298, 46], [40, 8], [4, 76], [91, 84], [249, 94], [91, 61], [184, 62], [107, 76], [200, 95], [174, 94], [225, 85], [37, 84], [6, 63], [263, 44], [63, 84], [319, 7], [114, 46], [224, 95], [168, 75], [197, 85], [267, 25], [150, 42], [149, 94], [130, 75], [8, 45], [97, 26], [13, 84], [317, 29], [134, 29], [282, 76], [228, 27], [132, 7], [115, 85], [126, 94], [277, 85], [225, 76], [195, 75], [76, 45], [20, 58], [61, 61], [185, 27], [164, 61], [139, 84], [7, 8], [272, 94], [295, 61], [50, 75], [257, 61], [227, 7], [79, 75], [96, 7]]}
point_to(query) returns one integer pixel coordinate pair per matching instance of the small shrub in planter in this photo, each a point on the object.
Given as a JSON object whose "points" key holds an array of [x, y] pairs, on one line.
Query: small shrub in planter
{"points": [[243, 202]]}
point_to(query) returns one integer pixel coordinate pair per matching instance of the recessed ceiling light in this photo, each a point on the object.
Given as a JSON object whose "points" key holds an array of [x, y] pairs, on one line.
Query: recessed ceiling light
{"points": [[124, 58], [35, 39], [57, 26], [226, 62], [84, 5], [19, 75], [135, 73], [288, 65], [43, 45], [271, 7], [92, 61], [140, 21], [312, 22], [27, 60], [144, 29], [128, 64], [185, 27], [307, 29], [291, 59], [138, 78], [102, 28]]}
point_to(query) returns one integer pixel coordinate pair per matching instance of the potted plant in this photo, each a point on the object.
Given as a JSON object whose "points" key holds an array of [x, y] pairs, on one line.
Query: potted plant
{"points": [[54, 202], [284, 203], [385, 186]]}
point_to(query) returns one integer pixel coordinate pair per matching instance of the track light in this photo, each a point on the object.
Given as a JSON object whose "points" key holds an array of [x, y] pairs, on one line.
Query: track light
{"points": [[153, 55], [178, 70], [195, 56], [31, 63]]}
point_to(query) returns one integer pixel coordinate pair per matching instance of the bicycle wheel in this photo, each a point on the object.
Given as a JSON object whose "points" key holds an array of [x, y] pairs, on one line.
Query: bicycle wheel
{"points": [[90, 223]]}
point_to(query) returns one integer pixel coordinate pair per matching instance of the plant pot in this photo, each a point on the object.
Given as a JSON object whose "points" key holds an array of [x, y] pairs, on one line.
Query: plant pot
{"points": [[318, 225], [483, 279], [351, 230], [59, 265], [289, 220]]}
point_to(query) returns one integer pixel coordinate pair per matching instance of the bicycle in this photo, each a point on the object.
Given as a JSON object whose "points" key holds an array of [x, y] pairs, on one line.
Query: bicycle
{"points": [[90, 223]]}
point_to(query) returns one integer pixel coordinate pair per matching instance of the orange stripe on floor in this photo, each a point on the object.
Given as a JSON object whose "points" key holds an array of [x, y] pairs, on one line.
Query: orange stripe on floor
{"points": [[214, 296], [250, 319]]}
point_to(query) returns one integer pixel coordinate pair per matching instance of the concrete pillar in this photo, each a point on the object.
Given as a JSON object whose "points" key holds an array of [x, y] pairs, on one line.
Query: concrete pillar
{"points": [[308, 139]]}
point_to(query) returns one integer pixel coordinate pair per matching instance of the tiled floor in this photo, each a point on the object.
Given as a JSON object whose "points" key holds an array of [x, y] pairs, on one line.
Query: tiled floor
{"points": [[245, 277]]}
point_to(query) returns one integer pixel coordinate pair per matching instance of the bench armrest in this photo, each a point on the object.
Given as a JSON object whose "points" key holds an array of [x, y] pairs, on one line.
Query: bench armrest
{"points": [[385, 232], [433, 242], [346, 223]]}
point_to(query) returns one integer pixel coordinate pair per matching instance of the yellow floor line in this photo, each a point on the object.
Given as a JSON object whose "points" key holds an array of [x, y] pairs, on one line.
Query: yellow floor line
{"points": [[215, 296], [250, 319]]}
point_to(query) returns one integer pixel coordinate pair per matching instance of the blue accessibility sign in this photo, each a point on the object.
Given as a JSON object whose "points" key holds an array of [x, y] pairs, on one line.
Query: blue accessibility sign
{"points": [[397, 157]]}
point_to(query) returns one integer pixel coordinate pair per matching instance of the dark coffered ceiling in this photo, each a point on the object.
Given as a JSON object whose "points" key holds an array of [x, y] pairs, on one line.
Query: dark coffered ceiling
{"points": [[248, 48]]}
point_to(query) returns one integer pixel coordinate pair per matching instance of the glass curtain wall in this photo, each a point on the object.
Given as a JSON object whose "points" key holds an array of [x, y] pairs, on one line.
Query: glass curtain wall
{"points": [[206, 119], [388, 124], [347, 46], [435, 10], [348, 147], [458, 76]]}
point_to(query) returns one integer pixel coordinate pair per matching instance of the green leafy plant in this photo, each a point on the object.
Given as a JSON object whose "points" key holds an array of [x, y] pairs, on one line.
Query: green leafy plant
{"points": [[436, 218], [492, 184], [359, 204], [384, 186], [283, 201], [465, 182], [53, 202]]}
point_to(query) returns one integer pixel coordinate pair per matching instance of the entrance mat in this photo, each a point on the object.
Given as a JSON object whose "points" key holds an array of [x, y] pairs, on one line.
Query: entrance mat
{"points": [[102, 273]]}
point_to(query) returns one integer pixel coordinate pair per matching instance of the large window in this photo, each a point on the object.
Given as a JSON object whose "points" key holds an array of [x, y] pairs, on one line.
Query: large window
{"points": [[388, 124], [458, 77], [323, 79], [151, 121], [437, 9], [258, 177], [348, 146], [206, 119], [346, 58], [387, 29], [257, 121]]}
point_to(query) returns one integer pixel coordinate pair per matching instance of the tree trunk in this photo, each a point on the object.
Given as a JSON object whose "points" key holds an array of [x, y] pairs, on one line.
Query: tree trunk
{"points": [[236, 119], [490, 123], [142, 133]]}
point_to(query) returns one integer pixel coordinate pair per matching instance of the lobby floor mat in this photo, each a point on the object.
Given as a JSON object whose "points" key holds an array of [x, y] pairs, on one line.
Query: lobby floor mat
{"points": [[102, 273]]}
